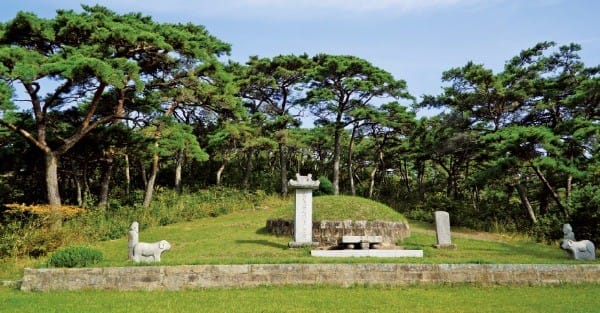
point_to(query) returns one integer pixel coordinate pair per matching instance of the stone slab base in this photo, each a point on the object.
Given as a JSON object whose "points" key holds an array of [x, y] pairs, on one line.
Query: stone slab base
{"points": [[377, 253]]}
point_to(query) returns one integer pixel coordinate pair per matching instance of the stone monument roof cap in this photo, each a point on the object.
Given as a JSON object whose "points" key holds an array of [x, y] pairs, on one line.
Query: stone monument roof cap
{"points": [[303, 182]]}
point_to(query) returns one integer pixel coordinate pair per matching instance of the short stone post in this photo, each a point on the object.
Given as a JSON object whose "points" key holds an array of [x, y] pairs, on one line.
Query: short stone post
{"points": [[442, 230], [304, 185], [568, 232], [133, 238]]}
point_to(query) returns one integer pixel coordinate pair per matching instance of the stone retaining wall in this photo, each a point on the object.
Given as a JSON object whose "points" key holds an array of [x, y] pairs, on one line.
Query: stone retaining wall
{"points": [[329, 233], [208, 276]]}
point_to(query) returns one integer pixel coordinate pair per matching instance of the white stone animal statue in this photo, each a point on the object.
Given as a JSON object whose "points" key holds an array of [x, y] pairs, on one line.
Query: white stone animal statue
{"points": [[150, 252], [579, 250]]}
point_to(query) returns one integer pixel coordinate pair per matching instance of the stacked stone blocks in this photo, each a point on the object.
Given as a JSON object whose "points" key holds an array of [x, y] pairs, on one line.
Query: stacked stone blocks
{"points": [[330, 233], [249, 275]]}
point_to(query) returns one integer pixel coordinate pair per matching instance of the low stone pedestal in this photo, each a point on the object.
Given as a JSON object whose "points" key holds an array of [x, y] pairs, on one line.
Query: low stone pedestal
{"points": [[364, 242], [376, 253]]}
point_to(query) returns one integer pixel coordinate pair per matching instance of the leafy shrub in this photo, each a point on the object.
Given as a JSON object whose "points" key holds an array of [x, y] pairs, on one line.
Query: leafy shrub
{"points": [[42, 210], [40, 243], [325, 187], [29, 237], [75, 257], [10, 238], [548, 228], [420, 213], [113, 230], [586, 213]]}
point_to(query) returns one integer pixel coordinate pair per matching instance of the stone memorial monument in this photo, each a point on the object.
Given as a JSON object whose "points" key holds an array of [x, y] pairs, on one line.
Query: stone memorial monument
{"points": [[304, 186], [442, 230]]}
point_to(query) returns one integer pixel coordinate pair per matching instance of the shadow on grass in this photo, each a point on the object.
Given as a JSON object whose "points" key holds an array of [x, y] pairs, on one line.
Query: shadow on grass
{"points": [[262, 231], [263, 242]]}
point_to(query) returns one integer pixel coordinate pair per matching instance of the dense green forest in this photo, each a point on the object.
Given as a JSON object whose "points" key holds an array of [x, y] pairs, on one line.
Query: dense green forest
{"points": [[99, 110]]}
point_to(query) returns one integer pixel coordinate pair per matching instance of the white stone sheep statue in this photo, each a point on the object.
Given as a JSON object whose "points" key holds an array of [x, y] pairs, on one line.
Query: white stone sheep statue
{"points": [[149, 252], [579, 250]]}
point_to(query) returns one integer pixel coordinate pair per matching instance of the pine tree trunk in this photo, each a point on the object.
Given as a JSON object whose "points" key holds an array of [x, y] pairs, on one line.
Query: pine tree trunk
{"points": [[378, 164], [144, 174], [220, 173], [336, 162], [105, 180], [178, 167], [248, 169], [525, 201], [151, 181], [553, 193], [421, 180], [52, 180], [350, 170], [283, 170], [79, 192], [569, 188], [53, 190], [404, 172], [127, 176], [475, 198], [86, 185], [372, 182]]}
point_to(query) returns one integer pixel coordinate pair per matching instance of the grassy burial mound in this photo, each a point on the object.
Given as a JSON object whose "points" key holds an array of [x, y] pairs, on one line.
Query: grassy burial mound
{"points": [[344, 208], [338, 216]]}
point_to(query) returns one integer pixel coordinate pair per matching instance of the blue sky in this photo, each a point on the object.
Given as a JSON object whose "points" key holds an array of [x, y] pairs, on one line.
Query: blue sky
{"points": [[415, 40]]}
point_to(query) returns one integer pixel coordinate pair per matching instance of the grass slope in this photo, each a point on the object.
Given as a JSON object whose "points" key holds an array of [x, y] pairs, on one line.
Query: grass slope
{"points": [[241, 238]]}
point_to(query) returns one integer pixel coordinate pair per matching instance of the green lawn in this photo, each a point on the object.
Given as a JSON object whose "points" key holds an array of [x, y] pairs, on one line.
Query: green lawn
{"points": [[562, 298], [240, 237]]}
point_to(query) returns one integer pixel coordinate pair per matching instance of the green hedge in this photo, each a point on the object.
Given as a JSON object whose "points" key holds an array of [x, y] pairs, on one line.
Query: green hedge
{"points": [[75, 257]]}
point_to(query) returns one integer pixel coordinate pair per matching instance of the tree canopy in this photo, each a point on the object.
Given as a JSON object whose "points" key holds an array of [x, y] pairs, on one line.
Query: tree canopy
{"points": [[104, 108]]}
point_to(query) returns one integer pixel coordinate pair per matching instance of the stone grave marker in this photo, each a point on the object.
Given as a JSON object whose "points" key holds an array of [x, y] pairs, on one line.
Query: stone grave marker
{"points": [[303, 185], [568, 232], [133, 238], [442, 230]]}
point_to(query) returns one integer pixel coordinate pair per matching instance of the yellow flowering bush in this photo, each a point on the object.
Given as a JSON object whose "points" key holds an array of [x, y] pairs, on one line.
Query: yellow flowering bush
{"points": [[42, 209]]}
